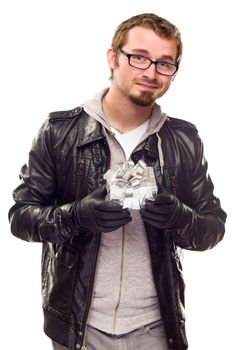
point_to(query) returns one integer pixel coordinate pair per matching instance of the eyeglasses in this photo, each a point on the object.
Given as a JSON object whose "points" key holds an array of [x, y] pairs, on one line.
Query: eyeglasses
{"points": [[142, 62]]}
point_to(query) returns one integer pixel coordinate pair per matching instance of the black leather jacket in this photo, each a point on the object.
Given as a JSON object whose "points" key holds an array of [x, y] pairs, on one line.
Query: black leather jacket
{"points": [[67, 161]]}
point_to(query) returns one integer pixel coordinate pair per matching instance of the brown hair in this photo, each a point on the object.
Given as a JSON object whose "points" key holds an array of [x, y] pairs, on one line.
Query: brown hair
{"points": [[161, 26]]}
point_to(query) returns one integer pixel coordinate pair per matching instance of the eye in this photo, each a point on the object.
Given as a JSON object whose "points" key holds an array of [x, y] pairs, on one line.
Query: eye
{"points": [[139, 58], [164, 65]]}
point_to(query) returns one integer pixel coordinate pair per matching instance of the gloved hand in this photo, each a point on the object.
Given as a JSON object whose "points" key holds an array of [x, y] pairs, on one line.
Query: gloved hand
{"points": [[165, 212], [95, 214]]}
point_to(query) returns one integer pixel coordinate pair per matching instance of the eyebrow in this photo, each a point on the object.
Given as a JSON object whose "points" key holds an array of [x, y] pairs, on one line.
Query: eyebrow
{"points": [[146, 53]]}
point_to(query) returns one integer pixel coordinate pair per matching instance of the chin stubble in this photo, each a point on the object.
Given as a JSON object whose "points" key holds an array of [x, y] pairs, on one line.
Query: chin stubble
{"points": [[145, 99]]}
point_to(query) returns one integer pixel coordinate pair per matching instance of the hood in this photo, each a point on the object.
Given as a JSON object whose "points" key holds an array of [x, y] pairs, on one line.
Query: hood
{"points": [[94, 108]]}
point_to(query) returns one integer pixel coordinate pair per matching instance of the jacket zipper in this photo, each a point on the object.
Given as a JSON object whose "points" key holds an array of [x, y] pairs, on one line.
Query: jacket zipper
{"points": [[120, 282], [90, 295], [167, 273]]}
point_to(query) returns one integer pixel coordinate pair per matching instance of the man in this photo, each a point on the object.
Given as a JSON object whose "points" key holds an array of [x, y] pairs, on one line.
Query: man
{"points": [[111, 276]]}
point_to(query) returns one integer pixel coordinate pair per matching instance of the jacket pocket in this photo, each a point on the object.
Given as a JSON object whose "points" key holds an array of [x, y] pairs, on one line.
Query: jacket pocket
{"points": [[58, 275]]}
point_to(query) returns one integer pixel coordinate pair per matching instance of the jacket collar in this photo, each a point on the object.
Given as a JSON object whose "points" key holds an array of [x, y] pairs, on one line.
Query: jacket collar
{"points": [[90, 130]]}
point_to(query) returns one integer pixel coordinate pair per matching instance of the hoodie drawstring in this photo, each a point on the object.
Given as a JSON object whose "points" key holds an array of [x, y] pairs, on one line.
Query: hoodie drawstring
{"points": [[161, 157]]}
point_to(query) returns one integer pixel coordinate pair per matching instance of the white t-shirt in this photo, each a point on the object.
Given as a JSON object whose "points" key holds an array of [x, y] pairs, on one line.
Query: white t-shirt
{"points": [[130, 140]]}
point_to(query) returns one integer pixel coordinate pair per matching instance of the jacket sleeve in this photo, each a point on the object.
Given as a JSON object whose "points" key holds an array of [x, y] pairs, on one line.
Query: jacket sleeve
{"points": [[36, 216], [204, 225]]}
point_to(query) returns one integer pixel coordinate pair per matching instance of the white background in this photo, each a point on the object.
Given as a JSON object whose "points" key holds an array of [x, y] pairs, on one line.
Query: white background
{"points": [[53, 57]]}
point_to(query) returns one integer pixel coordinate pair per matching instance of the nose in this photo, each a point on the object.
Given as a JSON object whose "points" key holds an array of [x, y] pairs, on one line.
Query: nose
{"points": [[150, 72]]}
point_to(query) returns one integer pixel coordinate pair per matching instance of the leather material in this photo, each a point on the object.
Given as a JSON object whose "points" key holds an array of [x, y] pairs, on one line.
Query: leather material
{"points": [[95, 214], [167, 212], [67, 162]]}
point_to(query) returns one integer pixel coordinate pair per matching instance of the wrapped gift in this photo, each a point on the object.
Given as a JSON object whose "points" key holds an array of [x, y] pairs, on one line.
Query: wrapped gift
{"points": [[131, 184]]}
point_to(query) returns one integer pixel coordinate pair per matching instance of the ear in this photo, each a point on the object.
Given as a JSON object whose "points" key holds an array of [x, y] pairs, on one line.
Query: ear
{"points": [[111, 57]]}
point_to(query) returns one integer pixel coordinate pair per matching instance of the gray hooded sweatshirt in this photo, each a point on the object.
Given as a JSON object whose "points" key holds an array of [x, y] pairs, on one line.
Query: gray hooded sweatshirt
{"points": [[124, 296]]}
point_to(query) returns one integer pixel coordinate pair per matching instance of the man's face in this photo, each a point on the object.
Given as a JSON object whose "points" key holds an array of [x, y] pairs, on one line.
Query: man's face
{"points": [[142, 87]]}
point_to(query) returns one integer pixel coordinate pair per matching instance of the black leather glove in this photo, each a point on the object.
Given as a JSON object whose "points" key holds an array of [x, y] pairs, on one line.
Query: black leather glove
{"points": [[95, 214], [165, 212]]}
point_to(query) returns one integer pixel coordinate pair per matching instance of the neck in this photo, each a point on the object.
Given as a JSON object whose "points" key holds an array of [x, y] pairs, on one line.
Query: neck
{"points": [[124, 115]]}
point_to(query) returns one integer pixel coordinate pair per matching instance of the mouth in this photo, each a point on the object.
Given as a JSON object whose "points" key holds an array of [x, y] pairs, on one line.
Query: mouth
{"points": [[148, 87]]}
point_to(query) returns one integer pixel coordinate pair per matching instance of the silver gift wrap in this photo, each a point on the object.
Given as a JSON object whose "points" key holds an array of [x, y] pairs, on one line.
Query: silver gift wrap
{"points": [[131, 185]]}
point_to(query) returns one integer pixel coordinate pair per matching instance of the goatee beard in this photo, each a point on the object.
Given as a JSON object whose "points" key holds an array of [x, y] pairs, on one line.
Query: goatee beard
{"points": [[145, 99]]}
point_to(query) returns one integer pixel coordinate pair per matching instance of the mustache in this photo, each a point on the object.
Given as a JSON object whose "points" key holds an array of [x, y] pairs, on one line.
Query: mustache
{"points": [[152, 82]]}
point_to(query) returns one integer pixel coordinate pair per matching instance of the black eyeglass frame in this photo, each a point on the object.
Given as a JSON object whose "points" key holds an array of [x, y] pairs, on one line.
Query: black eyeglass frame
{"points": [[129, 55]]}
